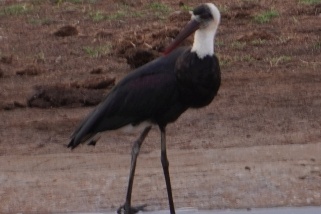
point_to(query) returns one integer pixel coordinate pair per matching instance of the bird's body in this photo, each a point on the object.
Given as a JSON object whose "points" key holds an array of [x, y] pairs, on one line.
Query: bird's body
{"points": [[160, 91]]}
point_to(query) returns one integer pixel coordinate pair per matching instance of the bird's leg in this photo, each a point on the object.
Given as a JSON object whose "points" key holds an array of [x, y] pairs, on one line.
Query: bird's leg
{"points": [[165, 165], [135, 151]]}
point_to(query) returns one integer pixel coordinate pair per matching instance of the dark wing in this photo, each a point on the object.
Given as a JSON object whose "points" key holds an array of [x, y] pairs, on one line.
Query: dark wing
{"points": [[145, 94]]}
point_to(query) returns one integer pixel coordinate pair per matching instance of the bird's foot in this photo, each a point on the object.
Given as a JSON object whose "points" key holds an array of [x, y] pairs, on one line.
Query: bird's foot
{"points": [[132, 210], [93, 141]]}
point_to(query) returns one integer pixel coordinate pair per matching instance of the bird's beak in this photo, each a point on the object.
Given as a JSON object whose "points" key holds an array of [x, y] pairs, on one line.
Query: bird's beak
{"points": [[190, 28]]}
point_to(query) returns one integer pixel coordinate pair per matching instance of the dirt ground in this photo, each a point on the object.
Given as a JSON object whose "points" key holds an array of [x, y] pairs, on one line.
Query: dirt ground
{"points": [[257, 145]]}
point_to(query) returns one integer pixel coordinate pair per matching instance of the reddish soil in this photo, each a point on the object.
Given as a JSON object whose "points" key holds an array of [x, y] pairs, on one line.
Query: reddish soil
{"points": [[257, 145]]}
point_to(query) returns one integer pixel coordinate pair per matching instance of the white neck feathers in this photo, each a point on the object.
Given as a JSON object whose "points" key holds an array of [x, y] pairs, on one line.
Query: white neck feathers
{"points": [[203, 43]]}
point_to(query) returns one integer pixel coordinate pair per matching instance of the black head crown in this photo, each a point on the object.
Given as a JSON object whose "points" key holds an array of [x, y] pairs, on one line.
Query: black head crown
{"points": [[203, 12]]}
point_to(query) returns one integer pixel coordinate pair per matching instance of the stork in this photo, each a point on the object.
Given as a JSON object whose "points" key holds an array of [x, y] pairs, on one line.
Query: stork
{"points": [[158, 92]]}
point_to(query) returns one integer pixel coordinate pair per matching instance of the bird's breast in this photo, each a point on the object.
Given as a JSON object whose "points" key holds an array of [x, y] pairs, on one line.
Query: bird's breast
{"points": [[198, 79]]}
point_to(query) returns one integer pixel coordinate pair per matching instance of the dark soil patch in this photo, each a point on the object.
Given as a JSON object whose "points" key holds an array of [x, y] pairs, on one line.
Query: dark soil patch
{"points": [[1, 73], [6, 59], [138, 56], [13, 105], [66, 31], [57, 96], [95, 83], [96, 71], [30, 70]]}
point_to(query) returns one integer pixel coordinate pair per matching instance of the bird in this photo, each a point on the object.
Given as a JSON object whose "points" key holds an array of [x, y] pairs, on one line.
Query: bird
{"points": [[158, 92]]}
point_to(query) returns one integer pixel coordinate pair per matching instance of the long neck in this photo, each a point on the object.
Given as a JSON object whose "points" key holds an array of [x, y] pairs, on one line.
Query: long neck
{"points": [[204, 43]]}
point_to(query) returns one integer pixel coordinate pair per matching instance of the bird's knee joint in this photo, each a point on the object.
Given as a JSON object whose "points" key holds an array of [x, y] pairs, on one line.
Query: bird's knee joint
{"points": [[136, 148]]}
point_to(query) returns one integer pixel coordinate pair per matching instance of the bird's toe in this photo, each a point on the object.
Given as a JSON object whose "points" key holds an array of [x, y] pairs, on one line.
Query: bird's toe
{"points": [[132, 210]]}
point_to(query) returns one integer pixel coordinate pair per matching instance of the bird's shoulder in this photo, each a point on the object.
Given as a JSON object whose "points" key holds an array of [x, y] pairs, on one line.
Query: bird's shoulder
{"points": [[154, 73]]}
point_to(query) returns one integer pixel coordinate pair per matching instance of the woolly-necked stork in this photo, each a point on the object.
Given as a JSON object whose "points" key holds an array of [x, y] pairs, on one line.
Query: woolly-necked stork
{"points": [[160, 91]]}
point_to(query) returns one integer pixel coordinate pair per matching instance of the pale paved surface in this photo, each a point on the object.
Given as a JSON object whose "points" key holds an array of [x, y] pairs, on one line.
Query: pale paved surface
{"points": [[279, 175], [282, 210]]}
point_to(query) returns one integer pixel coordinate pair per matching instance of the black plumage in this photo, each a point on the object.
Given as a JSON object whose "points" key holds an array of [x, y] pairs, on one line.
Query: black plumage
{"points": [[159, 92]]}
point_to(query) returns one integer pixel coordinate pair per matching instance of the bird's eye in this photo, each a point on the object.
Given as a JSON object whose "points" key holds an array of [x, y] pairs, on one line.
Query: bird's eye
{"points": [[206, 16]]}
